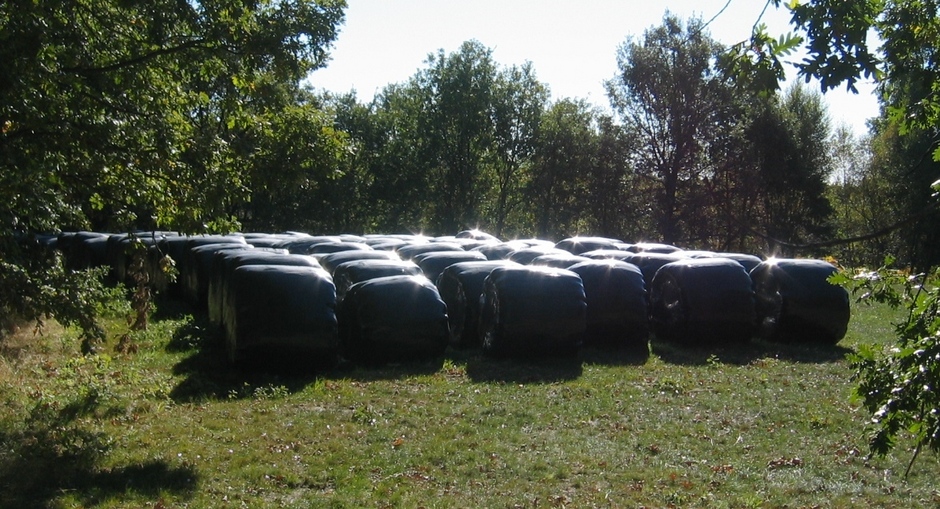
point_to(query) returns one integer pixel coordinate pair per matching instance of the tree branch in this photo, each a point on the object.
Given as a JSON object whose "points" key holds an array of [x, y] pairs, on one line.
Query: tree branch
{"points": [[195, 43], [851, 240]]}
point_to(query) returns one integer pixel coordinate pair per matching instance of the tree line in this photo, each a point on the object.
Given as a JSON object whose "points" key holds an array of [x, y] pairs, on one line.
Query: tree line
{"points": [[687, 156]]}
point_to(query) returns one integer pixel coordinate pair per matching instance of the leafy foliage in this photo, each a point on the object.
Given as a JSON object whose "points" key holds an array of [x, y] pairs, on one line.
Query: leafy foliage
{"points": [[118, 115], [899, 387]]}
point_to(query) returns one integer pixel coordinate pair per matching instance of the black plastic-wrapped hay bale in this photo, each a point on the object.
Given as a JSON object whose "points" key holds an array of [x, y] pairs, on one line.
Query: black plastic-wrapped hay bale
{"points": [[461, 286], [557, 260], [121, 256], [696, 253], [349, 237], [115, 258], [177, 248], [392, 319], [617, 310], [498, 251], [84, 250], [532, 312], [272, 240], [281, 312], [337, 247], [471, 244], [329, 261], [390, 245], [578, 245], [409, 251], [748, 261], [345, 275], [527, 254], [653, 247], [195, 278], [609, 254], [796, 302], [301, 244], [477, 235], [433, 263], [650, 262], [184, 258], [225, 262], [543, 243], [706, 300]]}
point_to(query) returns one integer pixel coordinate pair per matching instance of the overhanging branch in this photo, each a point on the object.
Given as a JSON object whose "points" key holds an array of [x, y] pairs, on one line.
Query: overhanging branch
{"points": [[851, 240]]}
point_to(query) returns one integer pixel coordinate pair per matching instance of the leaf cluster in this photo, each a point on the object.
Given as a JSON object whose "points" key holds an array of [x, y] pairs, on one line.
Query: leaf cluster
{"points": [[899, 387]]}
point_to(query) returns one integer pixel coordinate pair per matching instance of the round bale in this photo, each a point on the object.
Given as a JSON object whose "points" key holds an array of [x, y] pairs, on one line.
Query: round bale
{"points": [[282, 312], [433, 263], [461, 286], [392, 319], [617, 311], [705, 300], [578, 245], [329, 261], [558, 260], [346, 274], [532, 312], [797, 303]]}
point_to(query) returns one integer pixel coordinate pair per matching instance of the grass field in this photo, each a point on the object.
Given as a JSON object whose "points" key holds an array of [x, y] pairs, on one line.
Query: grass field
{"points": [[172, 425]]}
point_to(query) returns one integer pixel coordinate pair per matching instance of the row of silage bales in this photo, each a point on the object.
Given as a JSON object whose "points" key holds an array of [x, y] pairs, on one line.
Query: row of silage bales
{"points": [[701, 301], [613, 276]]}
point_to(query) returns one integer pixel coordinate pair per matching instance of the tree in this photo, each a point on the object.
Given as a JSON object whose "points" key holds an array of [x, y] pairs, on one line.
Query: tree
{"points": [[131, 114], [449, 148], [566, 148], [614, 204], [669, 92], [518, 104], [456, 123], [296, 171], [860, 200], [789, 139]]}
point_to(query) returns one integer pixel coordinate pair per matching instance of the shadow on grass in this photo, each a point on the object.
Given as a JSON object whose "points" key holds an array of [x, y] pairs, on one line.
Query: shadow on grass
{"points": [[37, 482], [633, 354], [209, 374], [747, 352], [387, 371], [53, 456], [539, 370]]}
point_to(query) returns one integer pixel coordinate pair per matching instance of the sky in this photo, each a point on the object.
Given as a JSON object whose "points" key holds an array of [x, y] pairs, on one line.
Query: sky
{"points": [[572, 44]]}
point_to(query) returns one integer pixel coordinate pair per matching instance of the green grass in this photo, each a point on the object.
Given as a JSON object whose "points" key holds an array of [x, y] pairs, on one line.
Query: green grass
{"points": [[172, 425]]}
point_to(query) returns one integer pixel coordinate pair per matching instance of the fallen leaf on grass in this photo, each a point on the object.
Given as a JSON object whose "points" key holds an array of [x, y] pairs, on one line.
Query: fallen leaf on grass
{"points": [[722, 469], [784, 463]]}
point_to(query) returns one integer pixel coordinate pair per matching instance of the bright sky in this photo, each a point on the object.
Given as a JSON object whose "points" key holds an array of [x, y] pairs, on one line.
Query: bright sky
{"points": [[572, 45]]}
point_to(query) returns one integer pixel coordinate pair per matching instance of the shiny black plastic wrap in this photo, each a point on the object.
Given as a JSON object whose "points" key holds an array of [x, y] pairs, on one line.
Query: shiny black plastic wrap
{"points": [[281, 310], [617, 310], [392, 319], [706, 300], [797, 303], [532, 312]]}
